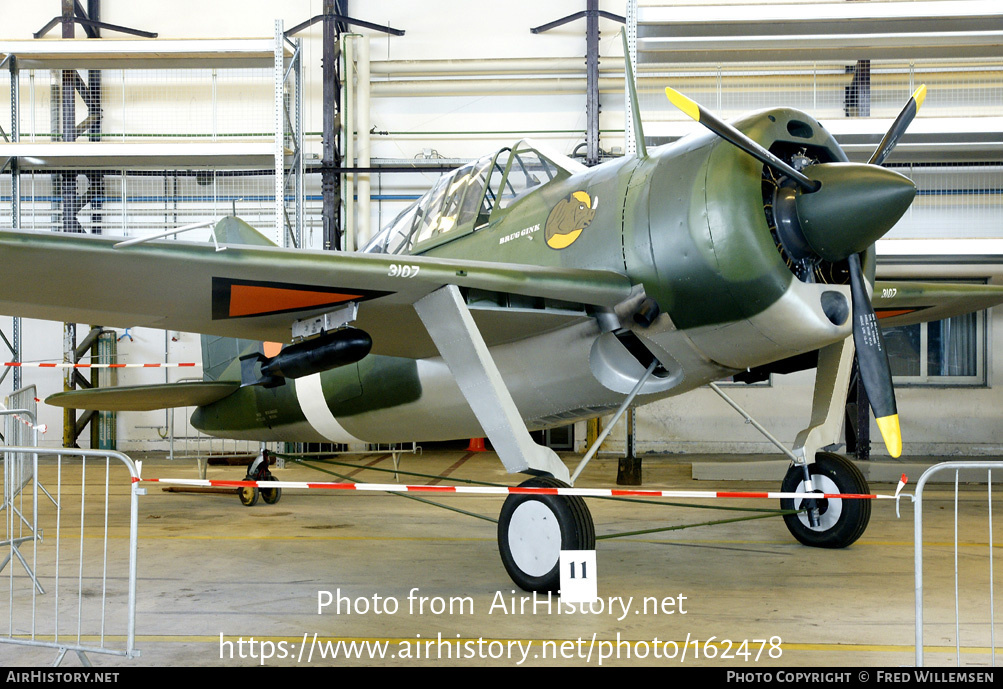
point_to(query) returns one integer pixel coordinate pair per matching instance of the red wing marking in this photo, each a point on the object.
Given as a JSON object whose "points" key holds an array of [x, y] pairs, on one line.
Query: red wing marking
{"points": [[252, 300], [890, 313], [232, 298]]}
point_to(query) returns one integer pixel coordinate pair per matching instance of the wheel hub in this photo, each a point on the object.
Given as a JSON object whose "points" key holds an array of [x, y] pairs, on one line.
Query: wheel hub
{"points": [[820, 504], [534, 538], [828, 510]]}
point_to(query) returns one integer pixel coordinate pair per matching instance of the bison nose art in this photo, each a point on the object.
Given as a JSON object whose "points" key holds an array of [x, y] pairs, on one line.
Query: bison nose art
{"points": [[568, 218]]}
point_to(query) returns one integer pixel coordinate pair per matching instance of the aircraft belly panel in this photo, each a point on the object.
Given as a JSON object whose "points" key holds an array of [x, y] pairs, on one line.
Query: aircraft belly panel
{"points": [[405, 400], [542, 386]]}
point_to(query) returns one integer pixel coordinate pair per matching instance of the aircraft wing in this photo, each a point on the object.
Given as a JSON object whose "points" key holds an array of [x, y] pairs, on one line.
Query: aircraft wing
{"points": [[256, 292], [905, 303]]}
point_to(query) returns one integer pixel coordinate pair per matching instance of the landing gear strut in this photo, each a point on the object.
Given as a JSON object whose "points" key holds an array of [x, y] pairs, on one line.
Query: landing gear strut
{"points": [[534, 529], [822, 523]]}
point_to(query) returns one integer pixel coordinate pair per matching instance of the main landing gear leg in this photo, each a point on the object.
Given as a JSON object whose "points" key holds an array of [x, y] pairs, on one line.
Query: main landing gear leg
{"points": [[451, 327], [826, 523], [532, 529], [821, 523]]}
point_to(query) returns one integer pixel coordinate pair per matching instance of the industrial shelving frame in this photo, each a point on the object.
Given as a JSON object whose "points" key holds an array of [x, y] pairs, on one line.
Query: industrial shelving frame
{"points": [[62, 154]]}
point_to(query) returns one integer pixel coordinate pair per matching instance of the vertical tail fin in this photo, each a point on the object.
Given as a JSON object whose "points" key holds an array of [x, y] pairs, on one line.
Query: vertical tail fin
{"points": [[220, 356]]}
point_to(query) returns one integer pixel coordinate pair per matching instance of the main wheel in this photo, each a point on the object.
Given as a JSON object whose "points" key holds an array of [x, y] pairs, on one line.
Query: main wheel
{"points": [[270, 495], [534, 529], [840, 521], [248, 495]]}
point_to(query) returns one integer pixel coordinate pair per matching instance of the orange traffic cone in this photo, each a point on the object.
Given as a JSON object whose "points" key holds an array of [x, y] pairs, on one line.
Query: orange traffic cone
{"points": [[476, 445]]}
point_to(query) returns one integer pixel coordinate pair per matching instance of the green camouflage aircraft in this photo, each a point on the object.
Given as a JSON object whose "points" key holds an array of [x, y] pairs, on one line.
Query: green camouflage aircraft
{"points": [[525, 291]]}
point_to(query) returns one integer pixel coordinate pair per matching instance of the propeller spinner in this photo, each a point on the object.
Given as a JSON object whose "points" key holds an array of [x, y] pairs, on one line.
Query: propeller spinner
{"points": [[835, 211]]}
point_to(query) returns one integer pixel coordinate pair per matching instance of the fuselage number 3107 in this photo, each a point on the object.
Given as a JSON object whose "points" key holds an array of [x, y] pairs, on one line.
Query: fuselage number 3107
{"points": [[402, 271]]}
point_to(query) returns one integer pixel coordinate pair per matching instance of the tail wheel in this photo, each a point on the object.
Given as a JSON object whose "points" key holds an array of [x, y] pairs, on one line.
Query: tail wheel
{"points": [[248, 495], [270, 495], [534, 529], [840, 521]]}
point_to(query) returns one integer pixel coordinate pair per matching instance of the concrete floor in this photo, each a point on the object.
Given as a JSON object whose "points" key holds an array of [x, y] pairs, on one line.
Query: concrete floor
{"points": [[209, 566]]}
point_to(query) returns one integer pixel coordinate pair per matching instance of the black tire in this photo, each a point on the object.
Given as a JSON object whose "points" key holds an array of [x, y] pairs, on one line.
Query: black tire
{"points": [[534, 529], [841, 521], [270, 495], [248, 495]]}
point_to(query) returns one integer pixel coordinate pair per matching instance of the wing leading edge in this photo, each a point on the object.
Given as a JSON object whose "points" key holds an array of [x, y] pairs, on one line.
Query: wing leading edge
{"points": [[906, 303], [256, 292]]}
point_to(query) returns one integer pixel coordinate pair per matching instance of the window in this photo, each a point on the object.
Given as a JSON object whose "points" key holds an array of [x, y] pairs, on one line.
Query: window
{"points": [[429, 209], [495, 181], [947, 352], [462, 200], [528, 171], [395, 237], [474, 200]]}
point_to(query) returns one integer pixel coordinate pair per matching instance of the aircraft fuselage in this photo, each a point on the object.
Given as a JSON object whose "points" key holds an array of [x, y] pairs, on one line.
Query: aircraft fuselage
{"points": [[689, 225]]}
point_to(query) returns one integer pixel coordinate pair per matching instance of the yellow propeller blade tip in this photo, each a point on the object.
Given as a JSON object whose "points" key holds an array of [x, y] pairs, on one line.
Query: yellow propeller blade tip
{"points": [[919, 96], [892, 434], [689, 107]]}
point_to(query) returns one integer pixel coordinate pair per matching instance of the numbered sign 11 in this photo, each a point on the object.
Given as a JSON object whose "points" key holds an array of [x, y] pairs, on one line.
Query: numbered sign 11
{"points": [[578, 576]]}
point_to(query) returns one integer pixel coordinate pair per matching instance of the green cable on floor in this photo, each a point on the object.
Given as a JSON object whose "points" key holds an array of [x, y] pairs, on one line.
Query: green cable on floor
{"points": [[764, 510], [402, 495], [763, 513]]}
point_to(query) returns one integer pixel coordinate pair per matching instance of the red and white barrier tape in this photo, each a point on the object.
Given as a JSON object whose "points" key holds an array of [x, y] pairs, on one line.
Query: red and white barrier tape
{"points": [[39, 364], [41, 428], [515, 490]]}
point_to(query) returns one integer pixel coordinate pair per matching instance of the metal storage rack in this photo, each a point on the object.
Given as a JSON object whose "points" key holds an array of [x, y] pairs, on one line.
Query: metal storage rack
{"points": [[852, 66], [135, 123], [176, 131]]}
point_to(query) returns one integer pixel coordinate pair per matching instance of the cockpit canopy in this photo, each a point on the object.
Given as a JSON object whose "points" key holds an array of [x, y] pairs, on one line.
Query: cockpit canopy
{"points": [[465, 199]]}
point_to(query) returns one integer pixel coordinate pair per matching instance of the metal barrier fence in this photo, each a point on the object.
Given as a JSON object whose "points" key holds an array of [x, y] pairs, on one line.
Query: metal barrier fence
{"points": [[971, 628], [20, 425], [87, 569], [22, 398], [19, 470]]}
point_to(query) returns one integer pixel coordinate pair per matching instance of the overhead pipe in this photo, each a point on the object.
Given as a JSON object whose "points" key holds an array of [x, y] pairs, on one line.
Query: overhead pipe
{"points": [[363, 120], [531, 65], [575, 66], [348, 134], [571, 85], [576, 85]]}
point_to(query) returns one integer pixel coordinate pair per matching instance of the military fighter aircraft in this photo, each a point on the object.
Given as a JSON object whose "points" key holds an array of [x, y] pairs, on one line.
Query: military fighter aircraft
{"points": [[525, 291]]}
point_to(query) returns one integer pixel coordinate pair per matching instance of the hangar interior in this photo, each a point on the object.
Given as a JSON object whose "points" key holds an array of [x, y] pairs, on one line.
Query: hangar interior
{"points": [[230, 114], [188, 135]]}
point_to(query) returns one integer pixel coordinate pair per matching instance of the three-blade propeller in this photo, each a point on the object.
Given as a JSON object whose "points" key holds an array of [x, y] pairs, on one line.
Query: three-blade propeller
{"points": [[836, 211]]}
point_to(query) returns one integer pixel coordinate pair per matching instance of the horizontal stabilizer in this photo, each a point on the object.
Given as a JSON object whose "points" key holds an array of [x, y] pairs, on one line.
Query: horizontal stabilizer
{"points": [[145, 397]]}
